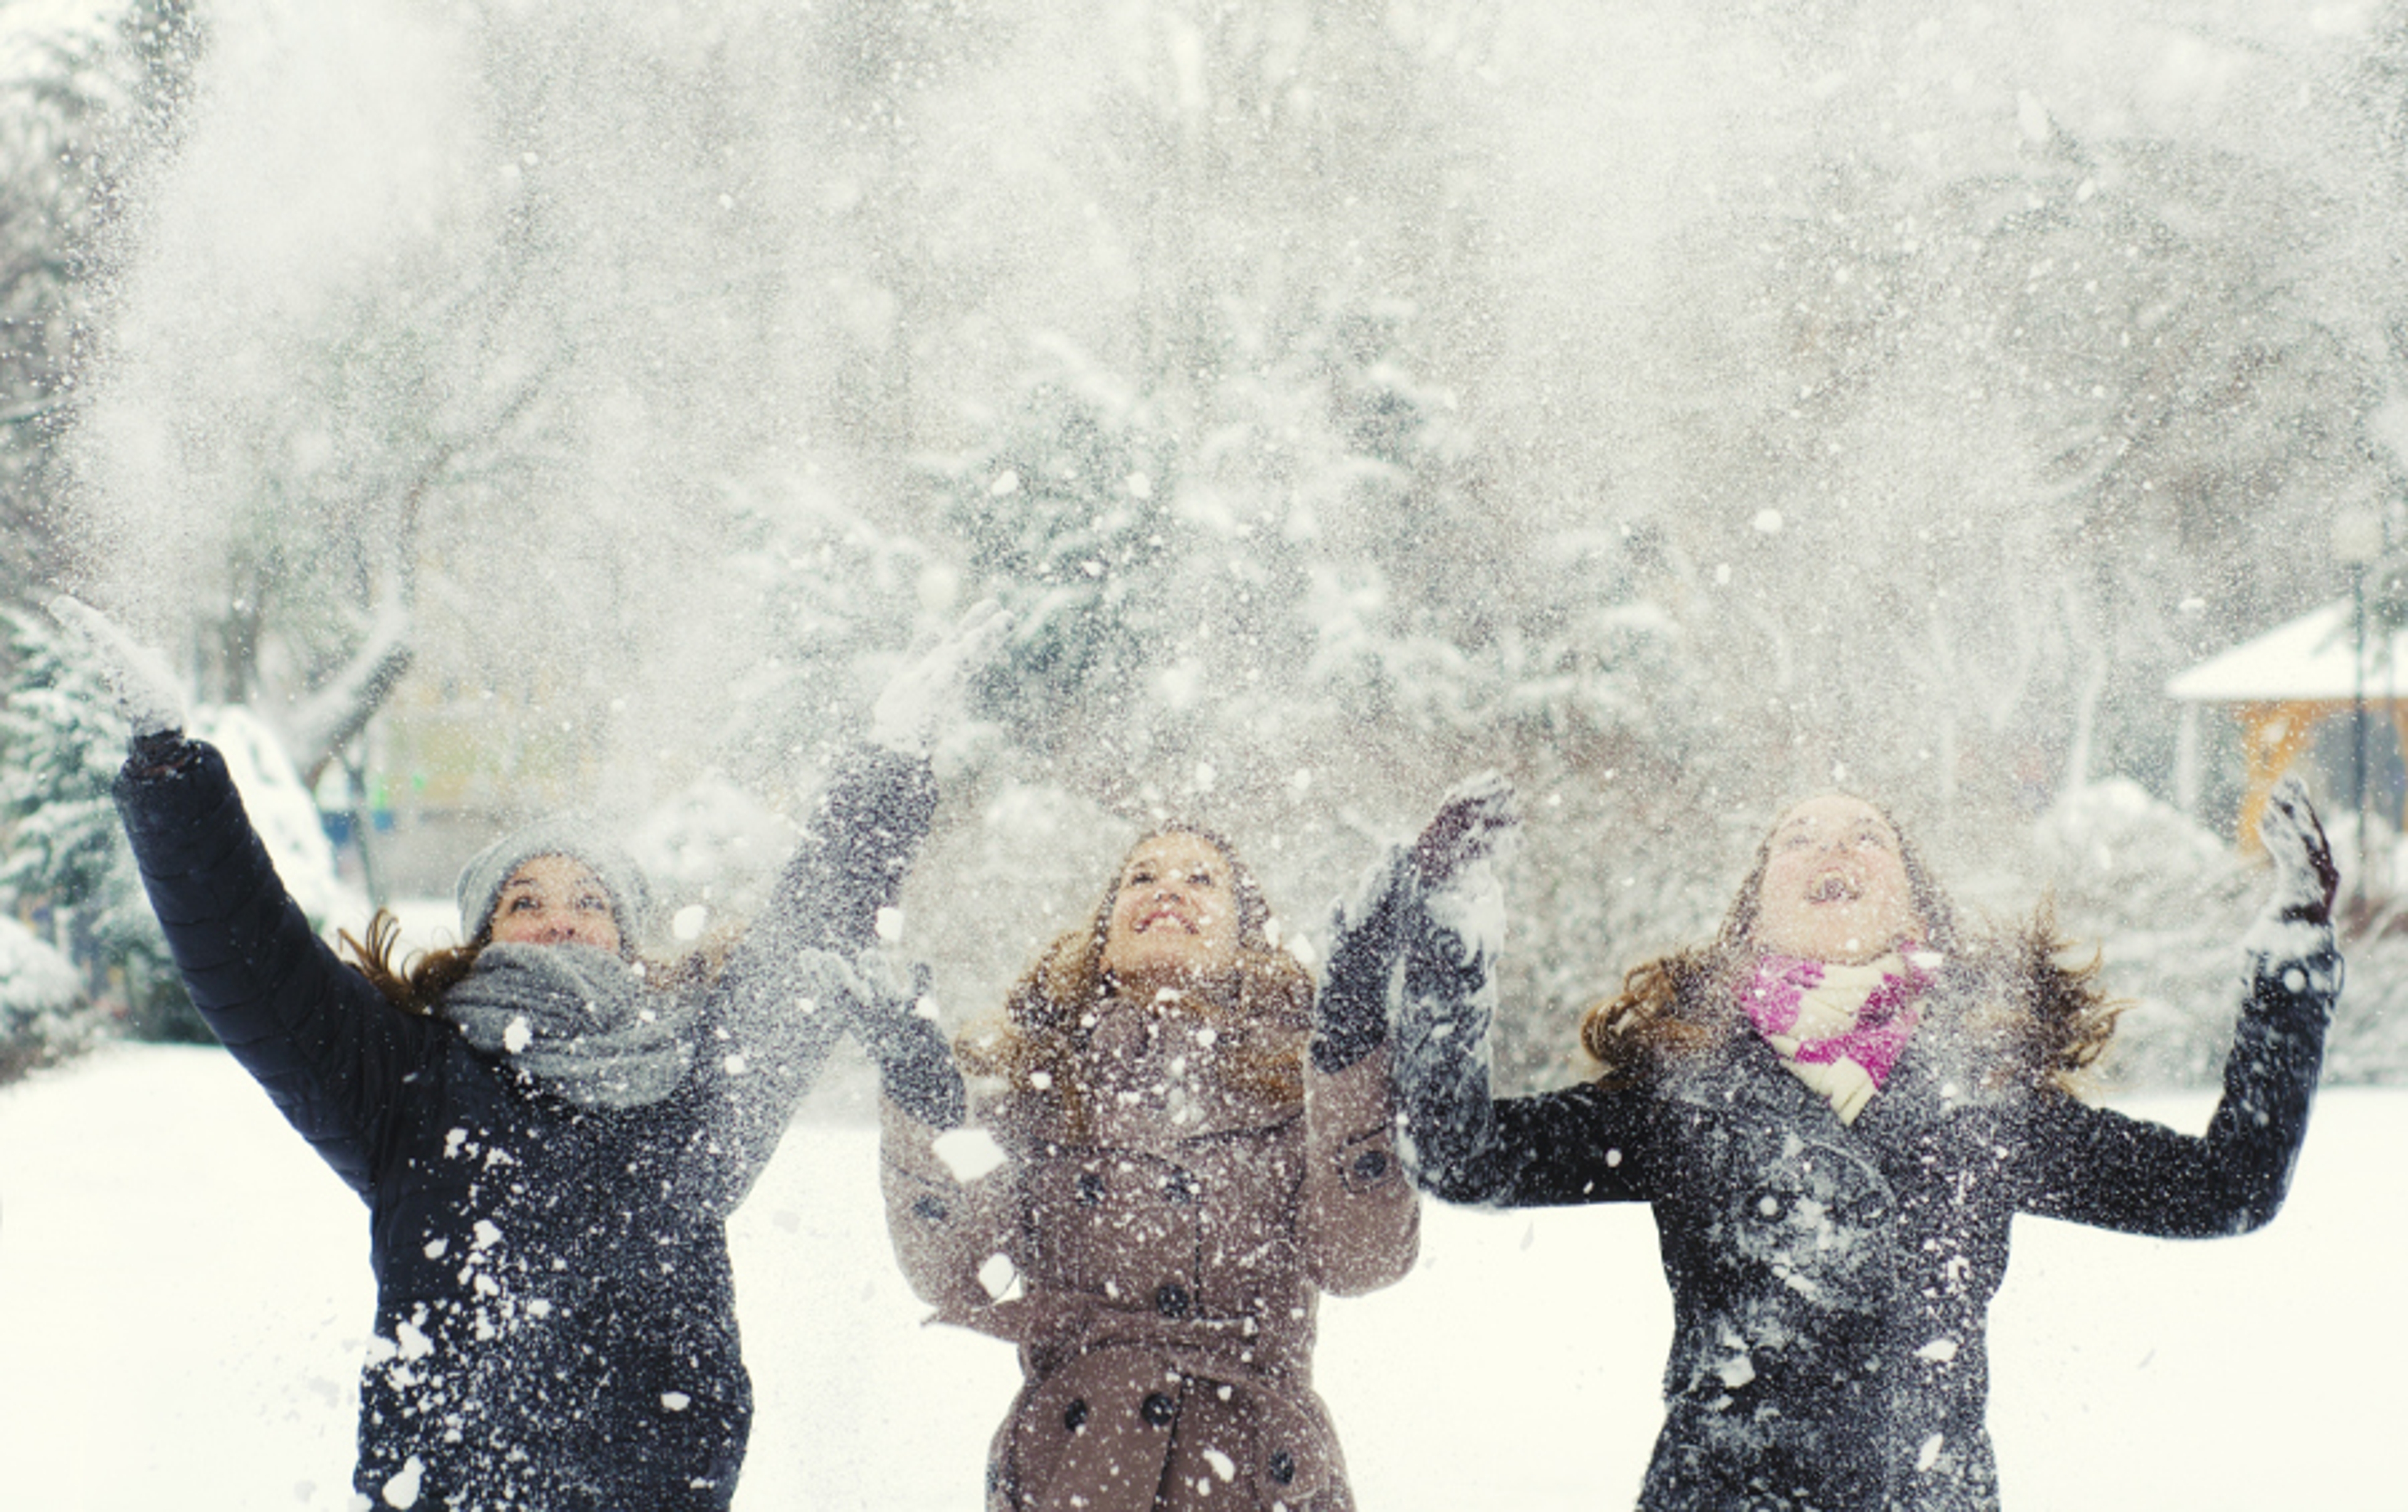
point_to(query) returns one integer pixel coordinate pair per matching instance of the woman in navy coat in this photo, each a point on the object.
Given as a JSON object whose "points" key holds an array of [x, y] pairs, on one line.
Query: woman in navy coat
{"points": [[549, 1134], [1835, 1111]]}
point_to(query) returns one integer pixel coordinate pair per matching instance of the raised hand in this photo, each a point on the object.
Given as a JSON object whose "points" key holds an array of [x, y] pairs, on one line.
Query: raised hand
{"points": [[915, 1066], [146, 693], [928, 690], [2305, 878], [1471, 821]]}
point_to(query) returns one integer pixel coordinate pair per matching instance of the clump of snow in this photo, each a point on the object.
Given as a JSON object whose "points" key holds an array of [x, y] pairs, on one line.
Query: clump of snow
{"points": [[970, 1153], [2164, 902]]}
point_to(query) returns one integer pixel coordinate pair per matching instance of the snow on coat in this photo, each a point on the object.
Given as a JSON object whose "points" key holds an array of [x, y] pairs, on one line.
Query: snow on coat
{"points": [[555, 1314], [1831, 1282], [1160, 1275]]}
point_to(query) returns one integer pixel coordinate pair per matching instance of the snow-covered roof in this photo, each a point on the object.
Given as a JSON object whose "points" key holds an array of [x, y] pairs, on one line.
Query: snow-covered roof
{"points": [[2306, 660]]}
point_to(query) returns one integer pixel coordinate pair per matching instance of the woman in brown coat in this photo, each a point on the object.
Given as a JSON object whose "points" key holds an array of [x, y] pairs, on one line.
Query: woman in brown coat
{"points": [[1171, 1182]]}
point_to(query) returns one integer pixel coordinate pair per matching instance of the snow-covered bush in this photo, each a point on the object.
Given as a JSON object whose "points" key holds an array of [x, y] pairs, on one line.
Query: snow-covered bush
{"points": [[61, 743], [2159, 895], [44, 1012]]}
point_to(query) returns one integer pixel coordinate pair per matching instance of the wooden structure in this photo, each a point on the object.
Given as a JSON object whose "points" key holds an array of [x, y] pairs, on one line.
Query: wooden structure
{"points": [[2285, 682]]}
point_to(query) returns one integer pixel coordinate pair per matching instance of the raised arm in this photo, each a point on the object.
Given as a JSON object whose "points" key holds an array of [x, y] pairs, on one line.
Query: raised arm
{"points": [[326, 1047], [1444, 915], [804, 972], [789, 990], [331, 1053], [2099, 1167]]}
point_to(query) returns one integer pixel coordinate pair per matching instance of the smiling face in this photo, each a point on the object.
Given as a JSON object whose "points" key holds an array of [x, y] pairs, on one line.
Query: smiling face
{"points": [[1174, 915], [554, 900], [1835, 886]]}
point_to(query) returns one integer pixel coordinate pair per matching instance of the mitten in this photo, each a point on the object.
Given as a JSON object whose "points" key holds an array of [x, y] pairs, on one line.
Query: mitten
{"points": [[2305, 878], [1350, 1017], [892, 1012]]}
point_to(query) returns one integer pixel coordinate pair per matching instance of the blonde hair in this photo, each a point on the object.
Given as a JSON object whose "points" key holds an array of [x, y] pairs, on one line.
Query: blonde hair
{"points": [[1261, 1009]]}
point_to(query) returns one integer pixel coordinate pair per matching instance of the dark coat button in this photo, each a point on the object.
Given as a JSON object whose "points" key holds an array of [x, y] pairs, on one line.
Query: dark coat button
{"points": [[1157, 1409], [1371, 1165], [1171, 1300], [931, 1208], [1283, 1467], [1091, 1189], [1074, 1417]]}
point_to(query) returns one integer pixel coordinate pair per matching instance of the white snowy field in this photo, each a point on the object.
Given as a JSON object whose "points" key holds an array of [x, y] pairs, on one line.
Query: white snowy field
{"points": [[184, 1295]]}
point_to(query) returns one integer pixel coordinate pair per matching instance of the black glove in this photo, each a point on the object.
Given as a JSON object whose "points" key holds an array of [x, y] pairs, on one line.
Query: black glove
{"points": [[1350, 1017], [1471, 821], [915, 1065], [2305, 878]]}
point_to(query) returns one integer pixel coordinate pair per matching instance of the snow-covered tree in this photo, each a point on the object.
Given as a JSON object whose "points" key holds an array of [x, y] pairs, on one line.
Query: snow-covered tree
{"points": [[61, 742]]}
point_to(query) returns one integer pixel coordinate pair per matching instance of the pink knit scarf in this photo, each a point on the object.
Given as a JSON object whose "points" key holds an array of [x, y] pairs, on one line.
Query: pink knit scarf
{"points": [[1839, 1028]]}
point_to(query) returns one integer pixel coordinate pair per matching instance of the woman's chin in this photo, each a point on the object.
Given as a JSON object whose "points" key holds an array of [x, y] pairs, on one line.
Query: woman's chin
{"points": [[1836, 946]]}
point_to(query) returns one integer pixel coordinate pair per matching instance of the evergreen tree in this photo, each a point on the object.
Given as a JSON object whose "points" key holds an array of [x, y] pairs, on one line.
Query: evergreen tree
{"points": [[61, 743]]}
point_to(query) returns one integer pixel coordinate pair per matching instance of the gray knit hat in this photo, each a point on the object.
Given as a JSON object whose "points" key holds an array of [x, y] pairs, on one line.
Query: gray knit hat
{"points": [[479, 886]]}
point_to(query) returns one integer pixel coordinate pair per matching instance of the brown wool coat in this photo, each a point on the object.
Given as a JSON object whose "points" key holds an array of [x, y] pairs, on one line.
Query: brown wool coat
{"points": [[1160, 1273]]}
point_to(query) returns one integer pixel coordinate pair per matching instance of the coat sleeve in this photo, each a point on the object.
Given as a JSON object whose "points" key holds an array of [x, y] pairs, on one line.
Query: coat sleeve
{"points": [[1359, 1218], [1580, 1145], [2096, 1166], [958, 1236], [786, 995], [332, 1053]]}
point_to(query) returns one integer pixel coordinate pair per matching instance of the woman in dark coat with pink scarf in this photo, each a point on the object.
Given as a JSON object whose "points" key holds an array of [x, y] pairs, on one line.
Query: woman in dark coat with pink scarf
{"points": [[1835, 1111]]}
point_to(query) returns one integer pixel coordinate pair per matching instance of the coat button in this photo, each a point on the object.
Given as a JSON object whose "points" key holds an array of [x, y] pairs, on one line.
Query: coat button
{"points": [[1370, 1165], [1074, 1417], [1091, 1189], [931, 1208], [1283, 1467], [1157, 1409], [1171, 1300]]}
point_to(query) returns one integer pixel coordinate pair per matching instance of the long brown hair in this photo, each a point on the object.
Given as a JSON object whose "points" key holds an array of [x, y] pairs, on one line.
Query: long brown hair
{"points": [[2037, 1020], [416, 983], [1261, 1011]]}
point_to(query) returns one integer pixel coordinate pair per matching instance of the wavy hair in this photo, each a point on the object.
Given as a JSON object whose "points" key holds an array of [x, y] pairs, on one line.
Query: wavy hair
{"points": [[2034, 1020], [1261, 1009], [416, 984]]}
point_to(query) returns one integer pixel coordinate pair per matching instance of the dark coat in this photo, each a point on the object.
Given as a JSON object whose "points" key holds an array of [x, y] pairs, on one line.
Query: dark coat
{"points": [[1164, 1273], [555, 1317], [1831, 1282]]}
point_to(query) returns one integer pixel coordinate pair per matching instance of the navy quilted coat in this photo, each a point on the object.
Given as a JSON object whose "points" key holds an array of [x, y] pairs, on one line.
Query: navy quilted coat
{"points": [[1831, 1281], [555, 1320]]}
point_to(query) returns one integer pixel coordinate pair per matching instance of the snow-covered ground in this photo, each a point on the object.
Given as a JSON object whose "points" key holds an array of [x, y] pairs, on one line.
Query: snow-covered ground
{"points": [[184, 1292]]}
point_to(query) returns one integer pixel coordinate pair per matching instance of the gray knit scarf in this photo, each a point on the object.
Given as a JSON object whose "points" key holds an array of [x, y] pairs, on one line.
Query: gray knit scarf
{"points": [[577, 1019]]}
